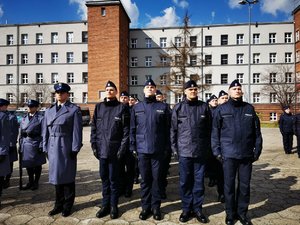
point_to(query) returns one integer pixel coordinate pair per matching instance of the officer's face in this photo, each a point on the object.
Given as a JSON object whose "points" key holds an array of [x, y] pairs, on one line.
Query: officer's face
{"points": [[149, 90], [131, 101], [235, 92], [223, 99], [32, 109], [3, 107], [191, 93], [111, 92], [61, 96], [287, 111], [213, 103], [159, 98], [124, 99]]}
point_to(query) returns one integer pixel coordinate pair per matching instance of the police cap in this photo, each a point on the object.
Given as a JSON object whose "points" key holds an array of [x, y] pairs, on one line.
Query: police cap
{"points": [[285, 107], [211, 98], [149, 82], [190, 84], [62, 87], [3, 102], [32, 103], [222, 93], [124, 93], [158, 92], [110, 84], [235, 83]]}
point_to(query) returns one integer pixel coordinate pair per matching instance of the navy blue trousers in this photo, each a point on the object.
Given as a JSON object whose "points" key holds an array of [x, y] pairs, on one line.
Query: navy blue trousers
{"points": [[65, 195], [287, 139]]}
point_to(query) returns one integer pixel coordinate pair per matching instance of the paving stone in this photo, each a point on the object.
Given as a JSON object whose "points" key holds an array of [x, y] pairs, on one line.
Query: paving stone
{"points": [[45, 220], [18, 220]]}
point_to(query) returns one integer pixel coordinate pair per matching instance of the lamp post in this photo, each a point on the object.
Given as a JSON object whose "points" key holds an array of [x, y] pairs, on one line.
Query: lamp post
{"points": [[250, 3]]}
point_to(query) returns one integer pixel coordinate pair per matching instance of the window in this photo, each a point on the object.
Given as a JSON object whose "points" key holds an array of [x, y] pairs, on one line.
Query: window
{"points": [[224, 78], [256, 38], [85, 57], [39, 58], [239, 58], [148, 42], [24, 39], [70, 57], [70, 78], [134, 61], [24, 59], [54, 57], [163, 42], [297, 35], [85, 77], [194, 77], [208, 40], [70, 37], [178, 97], [288, 77], [177, 41], [84, 97], [224, 39], [54, 37], [84, 37], [240, 77], [9, 78], [224, 59], [71, 96], [53, 97], [297, 56], [54, 77], [10, 97], [272, 77], [163, 79], [24, 97], [148, 61], [24, 78], [133, 42], [273, 57], [240, 39], [10, 39], [256, 58], [9, 59], [208, 78], [273, 98], [163, 61], [207, 96], [134, 80], [39, 78], [256, 78], [273, 116], [39, 97], [193, 41], [148, 77], [272, 38], [103, 11], [39, 39], [256, 97], [288, 57], [208, 59], [178, 79], [193, 60], [288, 37], [177, 60]]}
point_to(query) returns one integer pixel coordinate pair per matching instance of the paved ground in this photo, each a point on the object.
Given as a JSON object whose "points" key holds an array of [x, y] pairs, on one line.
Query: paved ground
{"points": [[275, 194]]}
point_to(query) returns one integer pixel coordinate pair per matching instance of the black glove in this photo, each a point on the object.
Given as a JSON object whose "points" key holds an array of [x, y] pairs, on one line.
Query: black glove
{"points": [[13, 149], [2, 158], [95, 153], [73, 155], [254, 158], [40, 150], [175, 155], [219, 158]]}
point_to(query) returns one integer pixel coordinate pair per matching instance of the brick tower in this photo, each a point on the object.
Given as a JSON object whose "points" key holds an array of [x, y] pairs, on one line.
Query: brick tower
{"points": [[296, 14], [108, 34]]}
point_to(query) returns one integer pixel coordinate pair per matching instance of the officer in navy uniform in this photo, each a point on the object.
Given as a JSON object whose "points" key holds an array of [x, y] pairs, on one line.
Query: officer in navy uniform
{"points": [[296, 129], [31, 145], [62, 140], [286, 122], [13, 154], [190, 140], [237, 143], [150, 138], [159, 96], [109, 140], [223, 97], [4, 146]]}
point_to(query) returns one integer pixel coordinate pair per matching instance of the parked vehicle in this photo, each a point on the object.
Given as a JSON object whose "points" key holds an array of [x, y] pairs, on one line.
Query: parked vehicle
{"points": [[86, 116]]}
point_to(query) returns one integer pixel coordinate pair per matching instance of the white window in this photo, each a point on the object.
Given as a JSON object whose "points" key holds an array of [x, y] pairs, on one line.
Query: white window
{"points": [[84, 97], [193, 41], [148, 42], [24, 78], [288, 77], [288, 37], [193, 60], [10, 97], [178, 41], [9, 59], [39, 78], [148, 77], [288, 57], [53, 97], [103, 11], [24, 97], [272, 38], [84, 77], [24, 59], [133, 42], [178, 97], [256, 58], [297, 35], [178, 79], [240, 39], [239, 58], [177, 60], [224, 78], [39, 38], [134, 61], [39, 58], [84, 37], [224, 39], [39, 97], [273, 98], [240, 77], [70, 78], [256, 38], [163, 42], [208, 78], [85, 57], [148, 61], [54, 57], [70, 37], [224, 59], [256, 78], [134, 80], [272, 77], [54, 37], [207, 96], [273, 116], [10, 39], [54, 77], [297, 56], [24, 39], [9, 78], [208, 40], [256, 97], [70, 57], [71, 96], [163, 61], [272, 57], [163, 79]]}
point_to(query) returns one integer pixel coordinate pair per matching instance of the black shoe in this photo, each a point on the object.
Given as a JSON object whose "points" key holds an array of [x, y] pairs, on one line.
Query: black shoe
{"points": [[221, 198], [104, 211], [157, 214], [201, 217], [244, 220], [66, 212], [184, 217], [55, 211], [136, 180], [229, 221], [114, 212], [145, 214], [35, 186], [28, 186]]}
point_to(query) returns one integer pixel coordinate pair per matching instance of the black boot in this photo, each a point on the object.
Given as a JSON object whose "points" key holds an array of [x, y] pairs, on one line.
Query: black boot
{"points": [[104, 211]]}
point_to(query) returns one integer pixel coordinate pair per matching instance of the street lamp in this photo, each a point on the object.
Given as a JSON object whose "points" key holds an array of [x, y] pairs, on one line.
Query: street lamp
{"points": [[250, 3]]}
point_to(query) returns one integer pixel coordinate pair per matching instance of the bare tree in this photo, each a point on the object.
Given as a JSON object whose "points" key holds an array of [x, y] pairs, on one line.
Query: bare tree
{"points": [[280, 83], [39, 90]]}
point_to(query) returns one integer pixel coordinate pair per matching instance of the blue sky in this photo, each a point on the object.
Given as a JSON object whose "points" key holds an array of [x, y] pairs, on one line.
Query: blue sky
{"points": [[150, 13]]}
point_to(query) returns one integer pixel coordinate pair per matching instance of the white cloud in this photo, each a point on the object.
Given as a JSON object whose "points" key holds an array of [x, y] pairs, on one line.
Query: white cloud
{"points": [[181, 3], [234, 4], [82, 10], [213, 15], [1, 11], [169, 19], [275, 6]]}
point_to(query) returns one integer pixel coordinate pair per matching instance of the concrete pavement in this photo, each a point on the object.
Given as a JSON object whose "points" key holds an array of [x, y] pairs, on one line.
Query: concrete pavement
{"points": [[275, 193]]}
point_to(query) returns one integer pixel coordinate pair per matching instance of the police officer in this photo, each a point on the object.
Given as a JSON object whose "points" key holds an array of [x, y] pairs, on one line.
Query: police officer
{"points": [[109, 140], [31, 147], [223, 97], [159, 96], [150, 138], [62, 140], [190, 140], [286, 122], [4, 147], [237, 143], [296, 128]]}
